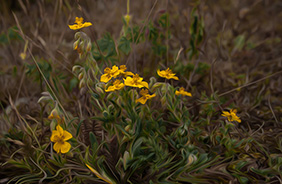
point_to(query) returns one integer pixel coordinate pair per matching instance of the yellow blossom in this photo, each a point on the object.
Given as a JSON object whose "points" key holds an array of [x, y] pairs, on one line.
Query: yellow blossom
{"points": [[135, 81], [123, 72], [127, 18], [182, 92], [59, 137], [79, 24], [145, 96], [109, 73], [167, 74], [231, 116], [116, 86]]}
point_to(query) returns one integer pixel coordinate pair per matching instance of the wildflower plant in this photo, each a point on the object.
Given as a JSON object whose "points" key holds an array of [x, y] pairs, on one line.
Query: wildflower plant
{"points": [[114, 126]]}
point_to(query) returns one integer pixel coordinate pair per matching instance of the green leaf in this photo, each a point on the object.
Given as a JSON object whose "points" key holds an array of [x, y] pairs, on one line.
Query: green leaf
{"points": [[93, 140], [73, 83], [3, 38], [107, 45], [239, 42], [13, 34], [124, 45]]}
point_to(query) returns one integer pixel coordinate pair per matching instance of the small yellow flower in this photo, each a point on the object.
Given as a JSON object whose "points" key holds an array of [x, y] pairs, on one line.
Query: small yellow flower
{"points": [[127, 18], [182, 92], [145, 96], [135, 81], [59, 137], [116, 86], [123, 72], [167, 74], [79, 24], [109, 73], [231, 116], [23, 55], [55, 115]]}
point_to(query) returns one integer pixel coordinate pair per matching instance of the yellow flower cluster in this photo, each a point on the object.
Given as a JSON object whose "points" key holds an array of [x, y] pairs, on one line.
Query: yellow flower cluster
{"points": [[134, 81], [231, 116], [79, 24]]}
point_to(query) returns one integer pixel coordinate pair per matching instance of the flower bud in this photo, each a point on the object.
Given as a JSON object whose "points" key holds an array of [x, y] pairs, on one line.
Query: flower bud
{"points": [[80, 76], [81, 84]]}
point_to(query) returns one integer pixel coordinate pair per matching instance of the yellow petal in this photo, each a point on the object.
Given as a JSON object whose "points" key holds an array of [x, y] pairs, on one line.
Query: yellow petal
{"points": [[55, 136], [110, 88], [122, 67], [145, 84], [107, 70], [175, 77], [144, 92], [161, 73], [128, 73], [187, 94], [87, 24], [142, 100], [65, 147], [74, 27], [233, 111], [60, 129], [67, 135], [105, 78], [152, 96], [128, 81], [120, 86], [225, 113], [57, 147]]}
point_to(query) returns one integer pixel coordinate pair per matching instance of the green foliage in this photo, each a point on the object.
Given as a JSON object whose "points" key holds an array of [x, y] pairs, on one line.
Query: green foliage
{"points": [[11, 35]]}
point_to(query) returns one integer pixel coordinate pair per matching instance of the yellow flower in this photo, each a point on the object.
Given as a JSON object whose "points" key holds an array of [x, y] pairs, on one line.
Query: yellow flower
{"points": [[109, 73], [145, 96], [182, 92], [123, 72], [59, 137], [167, 74], [127, 18], [232, 115], [135, 81], [79, 24], [55, 115], [117, 86]]}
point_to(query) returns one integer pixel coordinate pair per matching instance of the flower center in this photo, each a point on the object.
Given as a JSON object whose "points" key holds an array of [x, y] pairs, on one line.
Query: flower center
{"points": [[61, 140]]}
